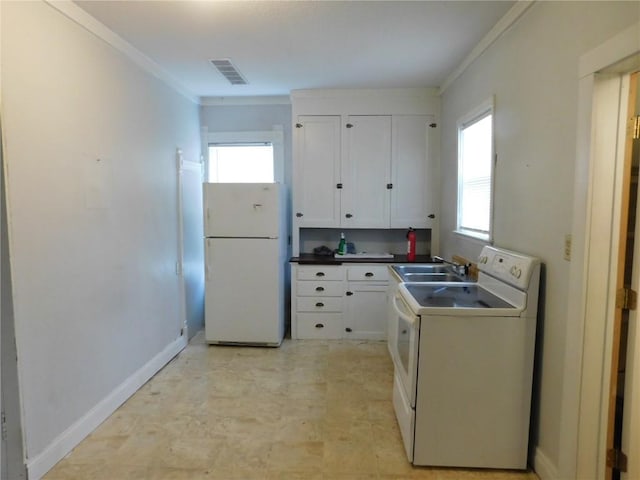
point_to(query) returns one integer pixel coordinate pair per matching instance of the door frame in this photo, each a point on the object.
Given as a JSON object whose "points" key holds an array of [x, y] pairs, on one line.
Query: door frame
{"points": [[591, 286]]}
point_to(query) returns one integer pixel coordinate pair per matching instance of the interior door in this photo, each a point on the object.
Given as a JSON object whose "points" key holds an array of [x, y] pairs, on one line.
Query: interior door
{"points": [[620, 409], [630, 333]]}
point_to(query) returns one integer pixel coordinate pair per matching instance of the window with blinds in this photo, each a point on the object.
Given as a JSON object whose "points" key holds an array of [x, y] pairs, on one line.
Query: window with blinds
{"points": [[475, 173]]}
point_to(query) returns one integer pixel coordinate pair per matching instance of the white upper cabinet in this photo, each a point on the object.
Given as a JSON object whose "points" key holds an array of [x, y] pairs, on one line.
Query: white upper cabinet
{"points": [[363, 171], [412, 172], [366, 172], [316, 197], [364, 159]]}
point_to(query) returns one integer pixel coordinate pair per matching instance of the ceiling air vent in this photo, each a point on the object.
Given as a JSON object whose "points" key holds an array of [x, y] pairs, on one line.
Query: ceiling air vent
{"points": [[229, 71]]}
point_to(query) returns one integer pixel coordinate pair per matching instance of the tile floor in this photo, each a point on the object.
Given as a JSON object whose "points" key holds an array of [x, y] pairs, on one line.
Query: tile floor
{"points": [[309, 410]]}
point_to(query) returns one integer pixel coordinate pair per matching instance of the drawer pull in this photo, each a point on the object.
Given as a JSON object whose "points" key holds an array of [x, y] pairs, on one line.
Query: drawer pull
{"points": [[348, 330], [320, 274], [368, 274], [319, 289], [319, 304], [349, 294], [319, 325]]}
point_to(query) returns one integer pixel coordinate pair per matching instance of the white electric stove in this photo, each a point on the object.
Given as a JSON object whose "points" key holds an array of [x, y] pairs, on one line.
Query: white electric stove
{"points": [[464, 368]]}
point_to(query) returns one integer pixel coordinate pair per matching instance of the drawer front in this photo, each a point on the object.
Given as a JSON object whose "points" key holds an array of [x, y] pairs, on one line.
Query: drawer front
{"points": [[320, 289], [320, 272], [318, 325], [369, 273], [319, 304]]}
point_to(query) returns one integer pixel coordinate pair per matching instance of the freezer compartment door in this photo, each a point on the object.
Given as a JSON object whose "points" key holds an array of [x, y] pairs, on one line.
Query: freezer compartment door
{"points": [[242, 209], [244, 297]]}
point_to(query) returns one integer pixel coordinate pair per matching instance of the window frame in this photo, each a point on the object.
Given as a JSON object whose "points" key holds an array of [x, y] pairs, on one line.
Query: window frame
{"points": [[274, 137], [486, 108]]}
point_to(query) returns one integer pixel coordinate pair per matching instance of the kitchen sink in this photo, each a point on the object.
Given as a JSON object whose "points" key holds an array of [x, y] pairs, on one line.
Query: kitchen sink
{"points": [[432, 277], [425, 268], [427, 273]]}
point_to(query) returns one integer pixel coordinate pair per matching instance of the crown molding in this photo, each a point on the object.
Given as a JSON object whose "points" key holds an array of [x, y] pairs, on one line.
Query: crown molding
{"points": [[256, 100], [511, 17], [89, 23]]}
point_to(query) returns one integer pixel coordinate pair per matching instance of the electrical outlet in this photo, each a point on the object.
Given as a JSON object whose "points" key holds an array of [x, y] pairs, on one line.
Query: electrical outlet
{"points": [[567, 247]]}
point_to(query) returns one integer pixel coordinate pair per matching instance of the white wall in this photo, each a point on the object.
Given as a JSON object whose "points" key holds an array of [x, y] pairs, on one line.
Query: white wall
{"points": [[533, 72], [93, 243]]}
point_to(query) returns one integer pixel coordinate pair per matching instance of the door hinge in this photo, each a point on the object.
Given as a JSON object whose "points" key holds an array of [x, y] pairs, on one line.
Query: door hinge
{"points": [[635, 127], [626, 299], [616, 459]]}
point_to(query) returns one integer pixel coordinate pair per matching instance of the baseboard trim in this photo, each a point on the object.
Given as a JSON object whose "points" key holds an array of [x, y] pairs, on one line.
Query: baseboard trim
{"points": [[73, 435], [544, 467]]}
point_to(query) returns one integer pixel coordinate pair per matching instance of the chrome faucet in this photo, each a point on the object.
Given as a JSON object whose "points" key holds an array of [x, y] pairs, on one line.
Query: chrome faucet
{"points": [[459, 269]]}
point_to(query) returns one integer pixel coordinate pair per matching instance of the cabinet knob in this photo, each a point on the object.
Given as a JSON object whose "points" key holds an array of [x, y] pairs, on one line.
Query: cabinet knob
{"points": [[348, 215], [319, 325], [368, 274], [349, 125], [298, 125], [319, 304], [389, 186], [338, 186], [319, 289], [431, 216], [319, 274], [299, 214], [349, 294], [348, 330]]}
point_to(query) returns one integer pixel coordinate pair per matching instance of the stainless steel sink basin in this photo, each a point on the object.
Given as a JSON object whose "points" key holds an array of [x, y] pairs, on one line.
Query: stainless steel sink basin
{"points": [[432, 277], [427, 273], [423, 268]]}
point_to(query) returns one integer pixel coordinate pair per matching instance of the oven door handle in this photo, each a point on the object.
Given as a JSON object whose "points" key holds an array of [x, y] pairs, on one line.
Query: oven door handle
{"points": [[411, 319]]}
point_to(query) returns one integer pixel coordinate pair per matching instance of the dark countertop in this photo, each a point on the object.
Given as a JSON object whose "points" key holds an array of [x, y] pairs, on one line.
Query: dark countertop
{"points": [[311, 259]]}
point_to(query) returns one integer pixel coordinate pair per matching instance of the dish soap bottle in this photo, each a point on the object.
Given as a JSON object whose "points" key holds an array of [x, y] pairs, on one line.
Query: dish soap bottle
{"points": [[342, 246]]}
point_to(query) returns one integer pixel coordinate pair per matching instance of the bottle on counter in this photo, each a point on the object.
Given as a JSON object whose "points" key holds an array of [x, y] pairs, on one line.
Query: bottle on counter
{"points": [[342, 246], [411, 245]]}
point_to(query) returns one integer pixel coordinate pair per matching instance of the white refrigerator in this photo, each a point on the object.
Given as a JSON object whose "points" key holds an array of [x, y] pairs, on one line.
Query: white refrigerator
{"points": [[245, 258]]}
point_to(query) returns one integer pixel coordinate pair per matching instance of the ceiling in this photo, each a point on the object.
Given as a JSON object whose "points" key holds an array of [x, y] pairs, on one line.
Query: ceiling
{"points": [[279, 46]]}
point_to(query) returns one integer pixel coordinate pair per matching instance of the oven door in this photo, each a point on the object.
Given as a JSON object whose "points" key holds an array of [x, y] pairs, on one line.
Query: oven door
{"points": [[405, 346]]}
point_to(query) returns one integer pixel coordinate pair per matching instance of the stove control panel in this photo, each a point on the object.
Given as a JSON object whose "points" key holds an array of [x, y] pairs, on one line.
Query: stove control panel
{"points": [[510, 267]]}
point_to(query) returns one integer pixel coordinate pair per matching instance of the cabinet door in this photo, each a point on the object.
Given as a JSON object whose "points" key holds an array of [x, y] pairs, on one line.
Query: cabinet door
{"points": [[366, 171], [316, 198], [366, 311], [412, 173]]}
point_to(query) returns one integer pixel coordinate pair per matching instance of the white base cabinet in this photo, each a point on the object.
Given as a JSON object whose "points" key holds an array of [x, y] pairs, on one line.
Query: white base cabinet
{"points": [[339, 301]]}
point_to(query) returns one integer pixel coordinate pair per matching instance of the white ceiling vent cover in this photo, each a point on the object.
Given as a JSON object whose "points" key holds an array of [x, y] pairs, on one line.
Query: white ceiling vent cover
{"points": [[229, 71]]}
